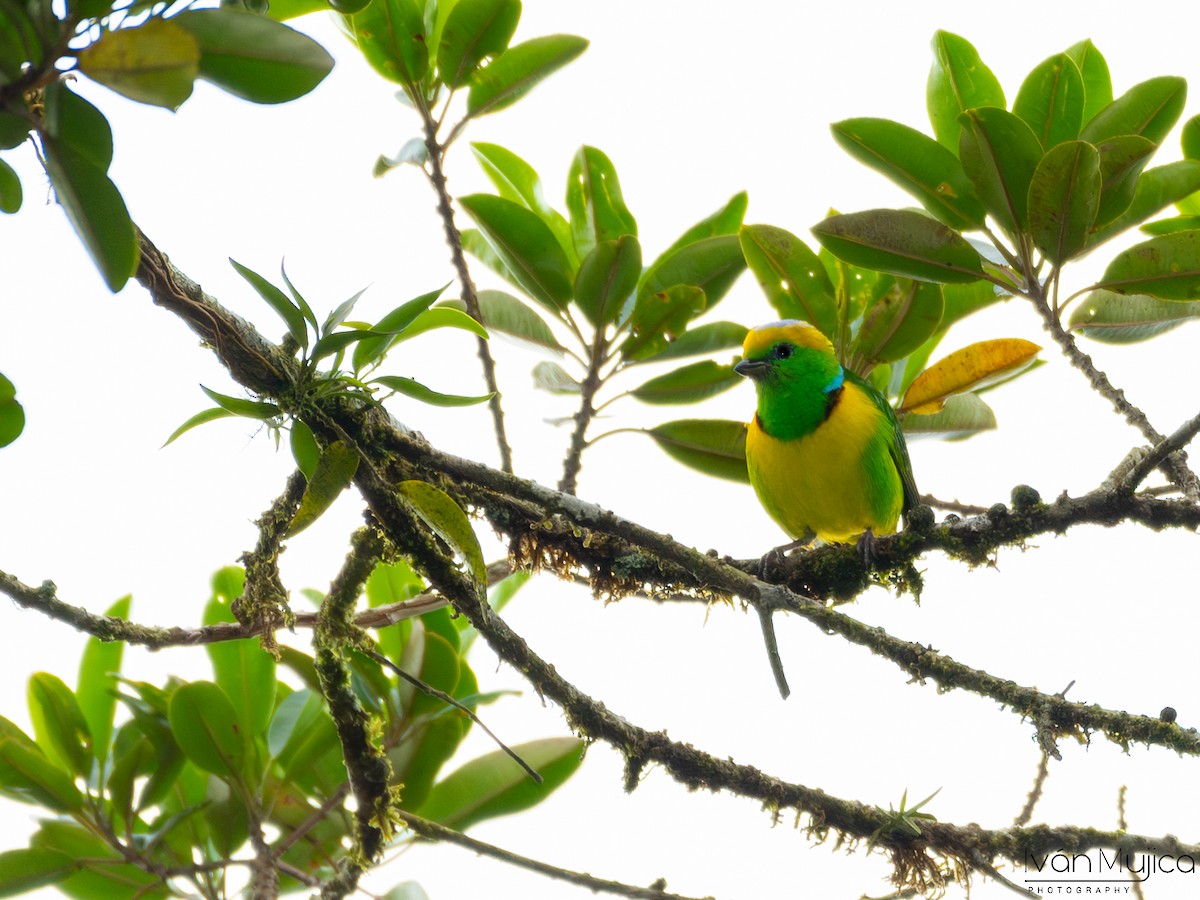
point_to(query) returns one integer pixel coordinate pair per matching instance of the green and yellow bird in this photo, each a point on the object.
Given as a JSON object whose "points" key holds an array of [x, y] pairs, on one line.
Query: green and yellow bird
{"points": [[824, 450]]}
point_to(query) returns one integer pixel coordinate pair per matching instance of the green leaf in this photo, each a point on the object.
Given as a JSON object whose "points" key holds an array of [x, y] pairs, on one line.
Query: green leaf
{"points": [[963, 416], [205, 726], [1113, 318], [1171, 225], [726, 220], [1121, 162], [12, 416], [917, 163], [200, 418], [715, 447], [515, 71], [689, 384], [28, 775], [306, 310], [1167, 267], [1190, 140], [442, 317], [712, 264], [103, 873], [899, 322], [790, 274], [494, 785], [283, 10], [391, 35], [11, 194], [372, 349], [1097, 84], [526, 245], [14, 130], [21, 47], [958, 81], [999, 153], [253, 57], [1051, 100], [73, 121], [339, 341], [240, 406], [438, 510], [1150, 109], [517, 181], [305, 449], [1156, 189], [607, 278], [303, 739], [277, 300], [903, 243], [595, 203], [554, 379], [506, 314], [24, 870], [242, 669], [660, 317], [58, 723], [333, 474], [339, 315], [702, 339], [963, 299], [475, 29], [95, 209], [412, 388], [96, 688], [1064, 197], [155, 62]]}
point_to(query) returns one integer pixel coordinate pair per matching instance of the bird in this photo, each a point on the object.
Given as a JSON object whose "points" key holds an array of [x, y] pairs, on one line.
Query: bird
{"points": [[824, 450]]}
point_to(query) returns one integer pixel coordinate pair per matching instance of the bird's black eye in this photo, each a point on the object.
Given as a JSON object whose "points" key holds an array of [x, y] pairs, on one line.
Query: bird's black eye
{"points": [[782, 351]]}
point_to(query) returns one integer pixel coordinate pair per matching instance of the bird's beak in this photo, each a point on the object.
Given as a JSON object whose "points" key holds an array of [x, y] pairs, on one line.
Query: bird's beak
{"points": [[752, 368]]}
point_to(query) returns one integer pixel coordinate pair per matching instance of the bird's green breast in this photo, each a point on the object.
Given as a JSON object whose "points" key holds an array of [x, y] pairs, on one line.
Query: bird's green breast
{"points": [[837, 479]]}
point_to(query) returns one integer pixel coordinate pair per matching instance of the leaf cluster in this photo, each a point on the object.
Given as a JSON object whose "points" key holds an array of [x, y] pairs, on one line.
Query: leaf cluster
{"points": [[158, 802], [143, 52]]}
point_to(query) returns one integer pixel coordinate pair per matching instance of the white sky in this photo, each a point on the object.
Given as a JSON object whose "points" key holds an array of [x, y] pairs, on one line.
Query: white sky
{"points": [[693, 102]]}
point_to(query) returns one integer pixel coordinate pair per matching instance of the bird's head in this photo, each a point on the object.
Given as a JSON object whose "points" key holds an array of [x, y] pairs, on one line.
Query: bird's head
{"points": [[795, 370], [786, 352]]}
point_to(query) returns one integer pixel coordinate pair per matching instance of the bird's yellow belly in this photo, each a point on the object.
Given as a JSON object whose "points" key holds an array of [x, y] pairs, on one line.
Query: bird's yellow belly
{"points": [[837, 481]]}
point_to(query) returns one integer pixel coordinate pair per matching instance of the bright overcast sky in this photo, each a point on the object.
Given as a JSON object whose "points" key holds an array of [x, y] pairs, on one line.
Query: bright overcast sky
{"points": [[693, 101]]}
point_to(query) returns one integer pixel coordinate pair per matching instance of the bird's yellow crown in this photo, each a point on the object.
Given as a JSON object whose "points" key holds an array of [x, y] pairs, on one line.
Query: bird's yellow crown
{"points": [[799, 333]]}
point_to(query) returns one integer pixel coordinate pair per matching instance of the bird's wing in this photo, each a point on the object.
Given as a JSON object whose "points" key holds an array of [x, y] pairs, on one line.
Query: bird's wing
{"points": [[897, 449]]}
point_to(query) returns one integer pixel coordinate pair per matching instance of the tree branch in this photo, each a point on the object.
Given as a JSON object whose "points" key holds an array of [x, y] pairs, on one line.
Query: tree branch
{"points": [[435, 832]]}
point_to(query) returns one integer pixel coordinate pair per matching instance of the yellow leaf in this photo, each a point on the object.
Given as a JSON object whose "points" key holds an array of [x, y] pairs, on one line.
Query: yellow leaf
{"points": [[971, 368], [155, 63]]}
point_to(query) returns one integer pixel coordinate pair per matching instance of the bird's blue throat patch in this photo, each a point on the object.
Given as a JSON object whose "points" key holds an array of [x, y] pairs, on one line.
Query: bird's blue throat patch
{"points": [[833, 391]]}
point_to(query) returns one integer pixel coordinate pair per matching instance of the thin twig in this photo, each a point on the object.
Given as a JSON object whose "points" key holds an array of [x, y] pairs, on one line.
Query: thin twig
{"points": [[954, 506], [431, 691], [587, 410], [1174, 465], [772, 644], [1176, 440], [44, 599], [435, 832], [437, 178], [1035, 793]]}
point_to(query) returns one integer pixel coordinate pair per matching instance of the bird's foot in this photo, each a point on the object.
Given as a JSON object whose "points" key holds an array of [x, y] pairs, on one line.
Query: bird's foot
{"points": [[866, 547], [773, 558]]}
